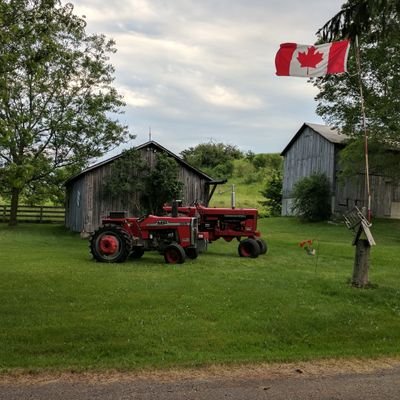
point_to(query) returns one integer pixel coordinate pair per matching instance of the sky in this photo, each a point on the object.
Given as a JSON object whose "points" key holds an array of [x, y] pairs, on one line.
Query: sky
{"points": [[199, 71]]}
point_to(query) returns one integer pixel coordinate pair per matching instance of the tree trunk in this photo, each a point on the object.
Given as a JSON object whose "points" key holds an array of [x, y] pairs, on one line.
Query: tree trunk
{"points": [[14, 206], [361, 264]]}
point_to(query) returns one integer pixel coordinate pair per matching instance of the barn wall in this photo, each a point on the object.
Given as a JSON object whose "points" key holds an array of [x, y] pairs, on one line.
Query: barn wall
{"points": [[385, 195], [309, 154], [195, 188], [95, 205]]}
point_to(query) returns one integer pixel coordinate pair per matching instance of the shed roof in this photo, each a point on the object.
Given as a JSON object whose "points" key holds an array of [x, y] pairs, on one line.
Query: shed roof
{"points": [[150, 143], [331, 134]]}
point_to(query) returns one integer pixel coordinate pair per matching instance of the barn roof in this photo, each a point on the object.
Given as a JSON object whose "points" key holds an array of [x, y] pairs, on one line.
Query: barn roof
{"points": [[331, 134], [150, 143]]}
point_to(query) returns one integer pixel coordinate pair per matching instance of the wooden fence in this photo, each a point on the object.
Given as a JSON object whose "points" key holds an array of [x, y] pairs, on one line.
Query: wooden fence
{"points": [[36, 214]]}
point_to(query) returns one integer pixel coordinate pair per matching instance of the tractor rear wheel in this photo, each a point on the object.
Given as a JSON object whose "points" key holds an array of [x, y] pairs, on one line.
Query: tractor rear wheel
{"points": [[263, 245], [249, 248], [174, 254], [192, 252], [110, 244], [136, 253]]}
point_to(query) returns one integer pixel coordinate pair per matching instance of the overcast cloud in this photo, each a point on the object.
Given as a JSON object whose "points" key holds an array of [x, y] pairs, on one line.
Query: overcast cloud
{"points": [[200, 70]]}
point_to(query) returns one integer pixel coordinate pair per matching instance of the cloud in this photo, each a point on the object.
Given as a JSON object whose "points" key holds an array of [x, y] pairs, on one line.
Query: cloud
{"points": [[136, 98], [225, 97], [195, 70]]}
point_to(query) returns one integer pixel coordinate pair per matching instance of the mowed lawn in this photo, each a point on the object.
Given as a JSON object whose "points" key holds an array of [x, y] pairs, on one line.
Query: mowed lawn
{"points": [[60, 310]]}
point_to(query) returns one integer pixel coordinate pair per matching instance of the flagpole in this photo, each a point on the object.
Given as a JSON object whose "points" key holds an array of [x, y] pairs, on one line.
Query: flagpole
{"points": [[364, 126]]}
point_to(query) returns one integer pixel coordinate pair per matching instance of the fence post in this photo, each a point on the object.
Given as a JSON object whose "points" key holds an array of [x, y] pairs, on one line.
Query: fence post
{"points": [[41, 214]]}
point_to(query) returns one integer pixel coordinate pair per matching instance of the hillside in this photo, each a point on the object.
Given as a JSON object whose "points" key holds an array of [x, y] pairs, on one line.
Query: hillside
{"points": [[249, 177], [247, 194]]}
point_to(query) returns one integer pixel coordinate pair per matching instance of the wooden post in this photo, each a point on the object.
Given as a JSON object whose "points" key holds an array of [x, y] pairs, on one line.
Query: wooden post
{"points": [[15, 192], [364, 125], [361, 264]]}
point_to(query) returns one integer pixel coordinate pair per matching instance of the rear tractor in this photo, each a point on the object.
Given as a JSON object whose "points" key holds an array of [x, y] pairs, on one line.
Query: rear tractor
{"points": [[121, 237], [228, 224]]}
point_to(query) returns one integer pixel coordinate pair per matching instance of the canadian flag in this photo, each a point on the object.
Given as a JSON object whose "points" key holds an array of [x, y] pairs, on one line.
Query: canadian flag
{"points": [[309, 61]]}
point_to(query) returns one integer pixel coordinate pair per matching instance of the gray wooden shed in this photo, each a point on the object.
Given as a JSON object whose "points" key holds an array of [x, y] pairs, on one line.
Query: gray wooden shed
{"points": [[86, 204], [315, 149]]}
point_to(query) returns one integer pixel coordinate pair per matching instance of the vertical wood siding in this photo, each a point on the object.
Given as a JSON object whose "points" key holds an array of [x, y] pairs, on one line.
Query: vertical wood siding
{"points": [[311, 153], [94, 204], [351, 192]]}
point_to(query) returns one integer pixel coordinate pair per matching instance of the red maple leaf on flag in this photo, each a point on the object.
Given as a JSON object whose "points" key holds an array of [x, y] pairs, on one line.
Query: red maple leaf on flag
{"points": [[310, 59]]}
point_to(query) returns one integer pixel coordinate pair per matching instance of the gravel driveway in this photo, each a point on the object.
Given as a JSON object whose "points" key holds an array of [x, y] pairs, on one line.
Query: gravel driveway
{"points": [[333, 380]]}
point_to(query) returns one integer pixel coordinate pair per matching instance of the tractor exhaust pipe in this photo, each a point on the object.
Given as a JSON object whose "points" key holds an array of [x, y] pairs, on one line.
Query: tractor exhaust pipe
{"points": [[233, 197], [174, 209]]}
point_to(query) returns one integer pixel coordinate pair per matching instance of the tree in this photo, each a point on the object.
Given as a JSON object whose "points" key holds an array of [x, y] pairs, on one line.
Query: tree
{"points": [[161, 185], [357, 17], [49, 188], [339, 100], [126, 179], [312, 198], [272, 192], [376, 23], [214, 158], [56, 95], [131, 177], [267, 161]]}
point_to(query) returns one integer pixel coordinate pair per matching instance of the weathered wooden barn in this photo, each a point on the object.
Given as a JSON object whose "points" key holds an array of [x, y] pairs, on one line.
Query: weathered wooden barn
{"points": [[315, 149], [86, 203]]}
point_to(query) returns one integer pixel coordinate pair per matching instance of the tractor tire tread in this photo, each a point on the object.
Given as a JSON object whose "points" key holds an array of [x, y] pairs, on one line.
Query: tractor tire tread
{"points": [[121, 234]]}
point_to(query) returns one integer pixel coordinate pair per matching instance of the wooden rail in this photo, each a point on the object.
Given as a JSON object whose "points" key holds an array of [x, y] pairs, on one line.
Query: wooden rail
{"points": [[36, 214]]}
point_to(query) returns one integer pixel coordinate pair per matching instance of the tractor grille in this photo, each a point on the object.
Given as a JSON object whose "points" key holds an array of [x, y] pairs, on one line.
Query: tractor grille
{"points": [[118, 214]]}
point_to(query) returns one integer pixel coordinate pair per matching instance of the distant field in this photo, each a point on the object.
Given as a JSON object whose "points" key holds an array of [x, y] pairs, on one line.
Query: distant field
{"points": [[62, 311], [247, 195]]}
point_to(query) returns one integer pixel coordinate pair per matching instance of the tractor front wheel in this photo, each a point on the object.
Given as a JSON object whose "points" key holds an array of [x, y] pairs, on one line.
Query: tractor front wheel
{"points": [[202, 245], [192, 252], [136, 253], [110, 244], [263, 245], [249, 248], [174, 254]]}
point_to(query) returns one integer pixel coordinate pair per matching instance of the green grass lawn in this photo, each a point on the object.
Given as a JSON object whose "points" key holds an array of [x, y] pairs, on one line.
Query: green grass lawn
{"points": [[59, 310]]}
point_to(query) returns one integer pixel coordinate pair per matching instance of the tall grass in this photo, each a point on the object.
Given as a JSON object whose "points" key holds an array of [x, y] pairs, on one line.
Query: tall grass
{"points": [[246, 194]]}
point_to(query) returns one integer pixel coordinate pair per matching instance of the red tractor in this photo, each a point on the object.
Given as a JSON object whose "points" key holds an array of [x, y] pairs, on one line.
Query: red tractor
{"points": [[121, 237], [228, 223]]}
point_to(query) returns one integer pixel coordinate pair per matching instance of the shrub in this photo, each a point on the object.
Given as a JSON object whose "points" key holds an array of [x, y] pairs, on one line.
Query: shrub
{"points": [[312, 198], [210, 155], [243, 168], [223, 170], [273, 194], [270, 161]]}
